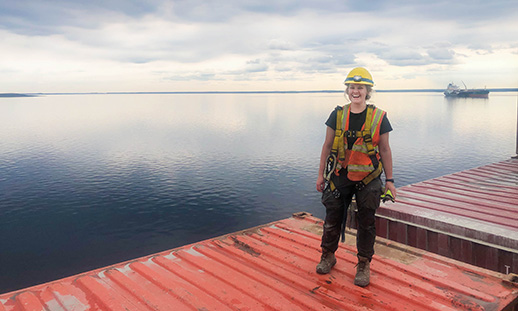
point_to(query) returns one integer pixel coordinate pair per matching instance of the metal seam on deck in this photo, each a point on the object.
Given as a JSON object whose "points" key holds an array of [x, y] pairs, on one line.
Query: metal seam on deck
{"points": [[480, 218], [168, 295], [181, 293], [218, 255], [263, 266], [180, 271], [480, 181], [472, 194], [216, 274], [467, 205], [487, 187], [431, 196], [462, 186]]}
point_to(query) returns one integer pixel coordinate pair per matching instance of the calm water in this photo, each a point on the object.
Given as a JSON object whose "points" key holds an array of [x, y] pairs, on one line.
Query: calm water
{"points": [[91, 180]]}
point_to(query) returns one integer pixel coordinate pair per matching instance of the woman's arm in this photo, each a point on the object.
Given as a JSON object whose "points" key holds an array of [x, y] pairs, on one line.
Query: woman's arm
{"points": [[386, 159], [326, 151]]}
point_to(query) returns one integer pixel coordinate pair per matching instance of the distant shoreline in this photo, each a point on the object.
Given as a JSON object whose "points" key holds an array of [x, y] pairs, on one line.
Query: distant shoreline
{"points": [[498, 90], [15, 95]]}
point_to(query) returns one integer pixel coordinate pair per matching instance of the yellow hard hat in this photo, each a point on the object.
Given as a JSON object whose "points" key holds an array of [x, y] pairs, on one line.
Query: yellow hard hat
{"points": [[359, 75]]}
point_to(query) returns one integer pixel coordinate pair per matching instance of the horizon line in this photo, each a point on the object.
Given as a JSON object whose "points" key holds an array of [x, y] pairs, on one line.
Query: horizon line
{"points": [[234, 92]]}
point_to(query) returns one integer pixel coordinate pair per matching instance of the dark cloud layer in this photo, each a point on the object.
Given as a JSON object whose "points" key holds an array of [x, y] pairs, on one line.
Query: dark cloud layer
{"points": [[46, 17]]}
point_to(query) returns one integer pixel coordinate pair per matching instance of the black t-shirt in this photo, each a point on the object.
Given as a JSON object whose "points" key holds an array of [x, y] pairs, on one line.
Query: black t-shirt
{"points": [[356, 121]]}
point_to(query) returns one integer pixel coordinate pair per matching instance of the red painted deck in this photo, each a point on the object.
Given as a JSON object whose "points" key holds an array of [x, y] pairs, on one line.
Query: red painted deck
{"points": [[272, 267], [470, 216]]}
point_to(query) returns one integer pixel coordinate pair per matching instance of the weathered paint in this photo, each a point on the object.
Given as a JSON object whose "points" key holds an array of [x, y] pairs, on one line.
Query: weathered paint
{"points": [[471, 216], [272, 267]]}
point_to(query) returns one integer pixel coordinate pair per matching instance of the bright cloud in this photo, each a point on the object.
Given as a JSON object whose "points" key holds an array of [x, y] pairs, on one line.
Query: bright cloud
{"points": [[195, 45]]}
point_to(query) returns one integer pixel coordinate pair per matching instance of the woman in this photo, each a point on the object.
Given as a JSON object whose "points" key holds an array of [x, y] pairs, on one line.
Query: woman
{"points": [[355, 151]]}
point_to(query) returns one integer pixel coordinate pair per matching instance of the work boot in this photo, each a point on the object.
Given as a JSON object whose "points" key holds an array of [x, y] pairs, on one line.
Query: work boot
{"points": [[327, 261], [363, 272]]}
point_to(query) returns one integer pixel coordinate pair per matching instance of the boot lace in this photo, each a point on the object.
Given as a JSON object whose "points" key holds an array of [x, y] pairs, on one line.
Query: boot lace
{"points": [[361, 265]]}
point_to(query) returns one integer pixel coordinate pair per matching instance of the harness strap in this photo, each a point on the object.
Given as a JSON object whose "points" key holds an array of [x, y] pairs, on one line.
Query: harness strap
{"points": [[340, 132], [367, 138], [337, 151]]}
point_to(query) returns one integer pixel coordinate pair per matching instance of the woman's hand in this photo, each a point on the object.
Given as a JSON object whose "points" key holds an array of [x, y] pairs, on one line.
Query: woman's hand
{"points": [[390, 186], [386, 158], [321, 183], [326, 150]]}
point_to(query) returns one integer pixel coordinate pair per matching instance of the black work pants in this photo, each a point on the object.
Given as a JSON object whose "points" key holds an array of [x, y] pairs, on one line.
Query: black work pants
{"points": [[367, 200]]}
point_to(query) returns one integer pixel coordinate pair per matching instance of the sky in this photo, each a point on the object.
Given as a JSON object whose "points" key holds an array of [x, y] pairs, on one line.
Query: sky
{"points": [[256, 45]]}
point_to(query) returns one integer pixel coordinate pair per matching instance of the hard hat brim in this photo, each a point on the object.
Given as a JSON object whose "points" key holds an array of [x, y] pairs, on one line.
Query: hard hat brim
{"points": [[364, 81]]}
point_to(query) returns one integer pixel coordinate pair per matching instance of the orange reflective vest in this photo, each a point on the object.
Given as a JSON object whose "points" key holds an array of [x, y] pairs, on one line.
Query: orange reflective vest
{"points": [[363, 159]]}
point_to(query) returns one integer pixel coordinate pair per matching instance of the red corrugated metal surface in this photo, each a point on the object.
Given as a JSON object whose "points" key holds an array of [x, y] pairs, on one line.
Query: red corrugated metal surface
{"points": [[272, 267], [470, 216]]}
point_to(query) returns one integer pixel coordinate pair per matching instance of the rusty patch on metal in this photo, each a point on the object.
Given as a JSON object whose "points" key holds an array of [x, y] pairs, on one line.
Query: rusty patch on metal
{"points": [[475, 276], [511, 281], [398, 252], [301, 214], [314, 228], [255, 230], [245, 247], [458, 301], [465, 303]]}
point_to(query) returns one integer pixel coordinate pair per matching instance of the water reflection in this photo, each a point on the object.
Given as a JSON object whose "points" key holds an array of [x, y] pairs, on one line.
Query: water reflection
{"points": [[89, 180]]}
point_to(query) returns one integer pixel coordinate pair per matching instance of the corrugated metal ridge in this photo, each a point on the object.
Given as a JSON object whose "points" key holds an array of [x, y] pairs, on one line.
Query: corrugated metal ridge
{"points": [[471, 216], [272, 267], [480, 203]]}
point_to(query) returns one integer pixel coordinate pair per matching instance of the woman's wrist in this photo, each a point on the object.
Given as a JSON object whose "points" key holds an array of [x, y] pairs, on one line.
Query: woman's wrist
{"points": [[389, 180]]}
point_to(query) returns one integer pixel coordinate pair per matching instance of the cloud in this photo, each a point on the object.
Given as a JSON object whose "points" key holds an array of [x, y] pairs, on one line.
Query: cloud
{"points": [[278, 44], [31, 17], [402, 57], [441, 55], [256, 66], [202, 76], [229, 40]]}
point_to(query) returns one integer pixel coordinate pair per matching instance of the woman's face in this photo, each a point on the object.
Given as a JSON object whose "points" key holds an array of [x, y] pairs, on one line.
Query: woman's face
{"points": [[357, 93]]}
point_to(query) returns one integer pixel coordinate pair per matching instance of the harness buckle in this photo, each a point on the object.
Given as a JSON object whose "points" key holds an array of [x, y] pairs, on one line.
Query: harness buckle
{"points": [[330, 166], [336, 194]]}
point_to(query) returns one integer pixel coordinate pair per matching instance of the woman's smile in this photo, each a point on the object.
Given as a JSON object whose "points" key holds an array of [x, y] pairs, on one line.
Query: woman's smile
{"points": [[357, 93]]}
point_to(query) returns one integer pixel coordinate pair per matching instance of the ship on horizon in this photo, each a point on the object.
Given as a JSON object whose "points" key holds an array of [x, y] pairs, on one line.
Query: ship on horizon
{"points": [[455, 91]]}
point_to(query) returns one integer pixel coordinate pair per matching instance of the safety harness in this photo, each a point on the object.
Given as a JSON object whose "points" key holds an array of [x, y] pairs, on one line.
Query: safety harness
{"points": [[338, 151]]}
